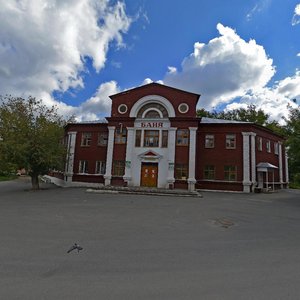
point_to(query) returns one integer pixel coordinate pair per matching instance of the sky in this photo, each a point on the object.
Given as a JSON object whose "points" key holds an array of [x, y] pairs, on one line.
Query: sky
{"points": [[75, 53]]}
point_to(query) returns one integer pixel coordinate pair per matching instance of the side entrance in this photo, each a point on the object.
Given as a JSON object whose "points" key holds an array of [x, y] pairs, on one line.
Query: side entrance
{"points": [[149, 172]]}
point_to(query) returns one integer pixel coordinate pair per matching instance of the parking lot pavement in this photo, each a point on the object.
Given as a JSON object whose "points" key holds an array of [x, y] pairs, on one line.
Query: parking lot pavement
{"points": [[221, 246]]}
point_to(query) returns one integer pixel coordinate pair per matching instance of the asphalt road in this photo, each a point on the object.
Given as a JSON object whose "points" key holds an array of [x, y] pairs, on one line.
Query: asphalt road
{"points": [[221, 246]]}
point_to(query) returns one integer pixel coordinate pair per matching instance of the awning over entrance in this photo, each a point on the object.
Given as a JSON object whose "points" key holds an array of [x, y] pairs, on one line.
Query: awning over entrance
{"points": [[265, 167]]}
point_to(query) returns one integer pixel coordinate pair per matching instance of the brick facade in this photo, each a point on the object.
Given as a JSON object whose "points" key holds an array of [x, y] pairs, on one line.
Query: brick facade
{"points": [[154, 128]]}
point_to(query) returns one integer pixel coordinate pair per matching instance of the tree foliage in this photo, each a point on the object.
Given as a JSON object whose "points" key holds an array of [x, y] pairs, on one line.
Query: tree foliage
{"points": [[31, 136], [250, 114], [293, 143]]}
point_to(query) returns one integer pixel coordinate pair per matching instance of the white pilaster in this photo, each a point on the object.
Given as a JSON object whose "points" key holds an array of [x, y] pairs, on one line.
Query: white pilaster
{"points": [[192, 158], [69, 168], [246, 161], [109, 156], [130, 143], [253, 160], [286, 166], [280, 164], [171, 156]]}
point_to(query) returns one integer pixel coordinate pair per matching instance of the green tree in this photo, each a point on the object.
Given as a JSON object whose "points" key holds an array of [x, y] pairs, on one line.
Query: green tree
{"points": [[293, 143], [31, 136], [249, 114]]}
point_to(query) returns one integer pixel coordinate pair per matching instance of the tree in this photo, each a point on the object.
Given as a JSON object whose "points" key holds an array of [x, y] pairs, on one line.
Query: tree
{"points": [[249, 114], [293, 143], [31, 136]]}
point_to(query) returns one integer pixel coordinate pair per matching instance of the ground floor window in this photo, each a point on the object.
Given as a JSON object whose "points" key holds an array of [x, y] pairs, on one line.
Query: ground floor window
{"points": [[83, 166], [118, 167], [209, 172], [181, 171], [100, 167], [230, 173]]}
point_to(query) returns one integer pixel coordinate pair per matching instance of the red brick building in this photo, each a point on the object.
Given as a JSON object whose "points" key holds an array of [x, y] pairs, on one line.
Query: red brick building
{"points": [[153, 138]]}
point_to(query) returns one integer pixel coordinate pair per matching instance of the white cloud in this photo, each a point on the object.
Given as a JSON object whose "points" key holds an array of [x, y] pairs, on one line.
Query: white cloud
{"points": [[100, 103], [44, 43], [274, 100], [260, 6], [296, 16], [223, 69]]}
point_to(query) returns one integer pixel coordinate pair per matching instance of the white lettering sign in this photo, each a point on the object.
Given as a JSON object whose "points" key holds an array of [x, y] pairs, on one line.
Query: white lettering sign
{"points": [[152, 124]]}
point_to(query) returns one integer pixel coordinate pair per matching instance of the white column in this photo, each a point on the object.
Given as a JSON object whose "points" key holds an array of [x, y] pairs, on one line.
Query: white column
{"points": [[130, 142], [280, 164], [69, 168], [246, 162], [109, 155], [171, 156], [253, 160], [192, 158], [286, 167]]}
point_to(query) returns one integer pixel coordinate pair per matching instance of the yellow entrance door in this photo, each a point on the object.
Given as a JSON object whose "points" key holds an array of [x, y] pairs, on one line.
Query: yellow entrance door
{"points": [[149, 175]]}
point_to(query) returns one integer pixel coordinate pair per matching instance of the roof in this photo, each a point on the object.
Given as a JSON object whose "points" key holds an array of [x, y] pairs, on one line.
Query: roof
{"points": [[205, 120], [266, 165], [154, 84]]}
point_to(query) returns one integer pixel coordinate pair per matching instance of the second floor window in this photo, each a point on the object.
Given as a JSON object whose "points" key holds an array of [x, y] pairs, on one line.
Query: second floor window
{"points": [[182, 138], [102, 139], [276, 148], [86, 139], [138, 137], [259, 143], [209, 141], [268, 146], [164, 142], [151, 138], [120, 135], [230, 141]]}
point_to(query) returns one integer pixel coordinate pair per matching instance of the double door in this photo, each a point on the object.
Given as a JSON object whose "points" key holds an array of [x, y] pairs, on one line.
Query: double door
{"points": [[149, 172]]}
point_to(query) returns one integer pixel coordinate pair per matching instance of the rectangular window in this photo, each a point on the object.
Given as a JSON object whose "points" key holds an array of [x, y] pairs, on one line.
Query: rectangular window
{"points": [[120, 135], [276, 148], [209, 172], [118, 167], [259, 143], [102, 139], [164, 142], [151, 138], [182, 138], [209, 141], [230, 173], [86, 139], [230, 141], [138, 137], [83, 167], [100, 167], [181, 171], [268, 146]]}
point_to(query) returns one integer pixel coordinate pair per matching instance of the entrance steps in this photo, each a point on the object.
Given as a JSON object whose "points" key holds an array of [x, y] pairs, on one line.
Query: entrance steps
{"points": [[144, 191]]}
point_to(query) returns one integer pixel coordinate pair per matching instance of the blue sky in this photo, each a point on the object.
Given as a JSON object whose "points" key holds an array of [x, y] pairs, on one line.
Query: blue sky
{"points": [[75, 53]]}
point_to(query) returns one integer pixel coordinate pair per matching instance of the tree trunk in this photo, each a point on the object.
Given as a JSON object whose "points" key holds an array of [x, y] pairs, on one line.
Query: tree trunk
{"points": [[35, 181]]}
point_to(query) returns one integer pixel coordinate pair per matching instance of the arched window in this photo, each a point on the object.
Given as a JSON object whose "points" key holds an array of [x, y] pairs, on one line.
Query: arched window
{"points": [[153, 110]]}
